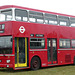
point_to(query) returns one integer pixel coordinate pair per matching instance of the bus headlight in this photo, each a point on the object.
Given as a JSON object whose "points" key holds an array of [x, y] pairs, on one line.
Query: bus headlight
{"points": [[7, 65], [8, 61]]}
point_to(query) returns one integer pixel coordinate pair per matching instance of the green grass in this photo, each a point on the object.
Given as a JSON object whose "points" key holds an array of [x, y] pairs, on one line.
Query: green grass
{"points": [[58, 70]]}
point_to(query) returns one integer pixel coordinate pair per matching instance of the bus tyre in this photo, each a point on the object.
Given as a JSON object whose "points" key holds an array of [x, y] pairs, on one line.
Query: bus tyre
{"points": [[74, 60], [35, 63]]}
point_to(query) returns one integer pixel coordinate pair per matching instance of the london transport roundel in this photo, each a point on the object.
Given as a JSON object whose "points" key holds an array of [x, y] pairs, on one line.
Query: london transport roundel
{"points": [[22, 29]]}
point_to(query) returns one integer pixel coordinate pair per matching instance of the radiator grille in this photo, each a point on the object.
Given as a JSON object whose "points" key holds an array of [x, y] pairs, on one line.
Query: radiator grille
{"points": [[67, 58]]}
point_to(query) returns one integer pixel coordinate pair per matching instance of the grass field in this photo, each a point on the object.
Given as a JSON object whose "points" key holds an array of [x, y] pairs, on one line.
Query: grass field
{"points": [[58, 70]]}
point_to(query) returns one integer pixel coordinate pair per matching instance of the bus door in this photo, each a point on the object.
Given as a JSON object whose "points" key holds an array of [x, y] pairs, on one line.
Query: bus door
{"points": [[20, 52], [52, 51]]}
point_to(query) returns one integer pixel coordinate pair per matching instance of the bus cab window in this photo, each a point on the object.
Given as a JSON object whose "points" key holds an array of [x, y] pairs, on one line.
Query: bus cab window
{"points": [[5, 45]]}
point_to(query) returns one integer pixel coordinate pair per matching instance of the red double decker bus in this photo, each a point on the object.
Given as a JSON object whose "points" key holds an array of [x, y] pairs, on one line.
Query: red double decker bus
{"points": [[32, 38]]}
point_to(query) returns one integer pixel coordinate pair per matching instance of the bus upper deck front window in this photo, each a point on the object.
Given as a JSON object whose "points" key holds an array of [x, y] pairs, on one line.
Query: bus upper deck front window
{"points": [[6, 45], [6, 15]]}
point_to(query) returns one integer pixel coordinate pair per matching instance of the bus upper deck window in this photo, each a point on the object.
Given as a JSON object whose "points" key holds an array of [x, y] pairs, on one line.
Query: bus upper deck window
{"points": [[21, 15], [6, 15], [72, 22]]}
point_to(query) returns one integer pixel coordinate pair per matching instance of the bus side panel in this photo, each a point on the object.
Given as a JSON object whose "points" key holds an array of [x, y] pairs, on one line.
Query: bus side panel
{"points": [[65, 57], [41, 54]]}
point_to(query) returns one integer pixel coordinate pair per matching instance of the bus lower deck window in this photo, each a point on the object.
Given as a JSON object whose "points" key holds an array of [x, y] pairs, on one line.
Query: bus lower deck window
{"points": [[37, 43]]}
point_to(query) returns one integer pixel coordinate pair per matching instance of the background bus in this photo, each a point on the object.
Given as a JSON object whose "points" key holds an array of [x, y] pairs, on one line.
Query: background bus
{"points": [[32, 38]]}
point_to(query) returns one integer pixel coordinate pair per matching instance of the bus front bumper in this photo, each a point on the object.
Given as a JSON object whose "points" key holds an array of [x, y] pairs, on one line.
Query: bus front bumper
{"points": [[6, 65]]}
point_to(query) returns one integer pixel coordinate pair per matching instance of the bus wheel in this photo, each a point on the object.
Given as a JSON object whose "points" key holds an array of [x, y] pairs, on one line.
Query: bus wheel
{"points": [[74, 60], [35, 63]]}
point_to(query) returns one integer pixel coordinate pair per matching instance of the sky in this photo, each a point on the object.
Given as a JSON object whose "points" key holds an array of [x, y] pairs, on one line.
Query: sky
{"points": [[59, 6]]}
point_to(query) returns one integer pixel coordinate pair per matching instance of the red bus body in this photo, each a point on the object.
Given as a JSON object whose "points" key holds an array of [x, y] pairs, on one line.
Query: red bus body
{"points": [[64, 56]]}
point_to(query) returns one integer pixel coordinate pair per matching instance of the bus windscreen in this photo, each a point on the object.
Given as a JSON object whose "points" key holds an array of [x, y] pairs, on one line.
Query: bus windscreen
{"points": [[6, 45]]}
